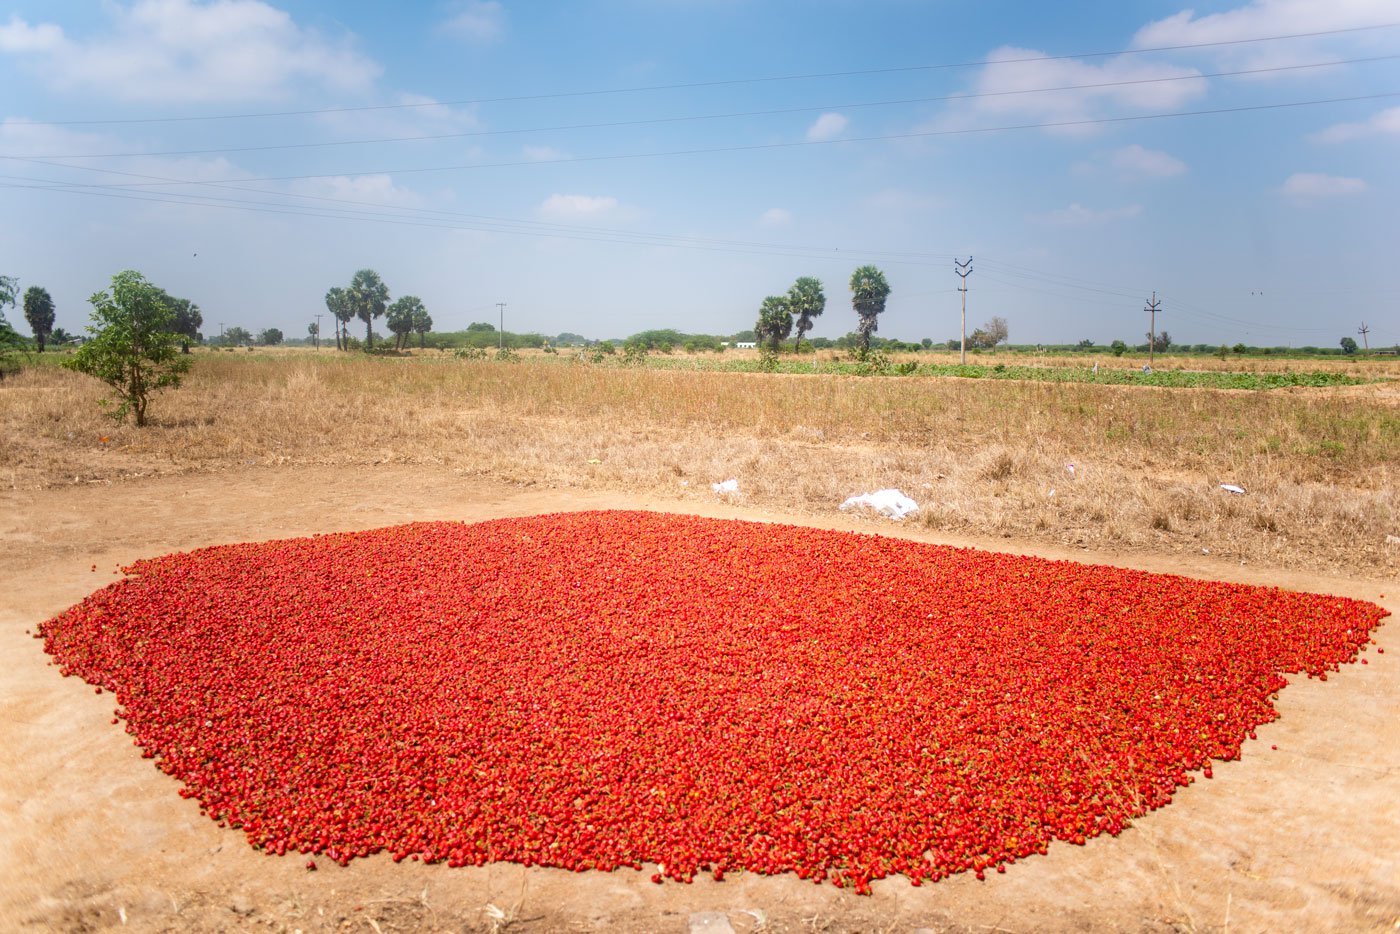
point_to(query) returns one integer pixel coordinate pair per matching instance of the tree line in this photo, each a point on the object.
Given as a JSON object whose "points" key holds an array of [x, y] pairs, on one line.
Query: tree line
{"points": [[367, 298]]}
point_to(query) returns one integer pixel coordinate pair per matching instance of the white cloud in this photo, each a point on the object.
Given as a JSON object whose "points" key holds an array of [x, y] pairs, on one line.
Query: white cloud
{"points": [[1076, 215], [1268, 18], [900, 201], [1385, 123], [183, 51], [19, 36], [775, 217], [542, 153], [1139, 162], [827, 126], [1318, 185], [376, 189], [557, 205], [479, 21], [1124, 83]]}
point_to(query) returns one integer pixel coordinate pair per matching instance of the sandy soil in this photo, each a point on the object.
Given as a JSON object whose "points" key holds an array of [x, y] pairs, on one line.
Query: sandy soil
{"points": [[92, 837]]}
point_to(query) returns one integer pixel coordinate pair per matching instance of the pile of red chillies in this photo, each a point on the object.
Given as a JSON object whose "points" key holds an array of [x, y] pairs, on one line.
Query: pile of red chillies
{"points": [[603, 689]]}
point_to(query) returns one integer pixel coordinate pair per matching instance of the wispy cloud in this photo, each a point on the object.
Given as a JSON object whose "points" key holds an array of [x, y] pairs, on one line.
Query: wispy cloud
{"points": [[775, 217], [1076, 215], [1385, 123], [1012, 88], [479, 21], [1318, 185], [183, 51], [576, 206], [827, 126], [1136, 161], [542, 153]]}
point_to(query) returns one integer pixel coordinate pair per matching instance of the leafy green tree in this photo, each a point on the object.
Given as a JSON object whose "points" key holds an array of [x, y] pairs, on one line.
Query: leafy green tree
{"points": [[338, 304], [774, 321], [399, 317], [1160, 343], [237, 337], [188, 319], [60, 336], [482, 326], [806, 301], [10, 341], [270, 337], [134, 347], [38, 311], [313, 331], [422, 324], [1119, 348], [369, 296], [869, 290], [1348, 345]]}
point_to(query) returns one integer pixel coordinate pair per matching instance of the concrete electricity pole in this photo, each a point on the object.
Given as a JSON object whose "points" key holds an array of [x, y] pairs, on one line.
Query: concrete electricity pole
{"points": [[1152, 307], [502, 307], [963, 270], [1363, 331], [318, 330]]}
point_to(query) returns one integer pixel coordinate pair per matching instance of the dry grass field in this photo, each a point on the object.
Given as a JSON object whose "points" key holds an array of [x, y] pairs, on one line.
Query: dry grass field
{"points": [[981, 457]]}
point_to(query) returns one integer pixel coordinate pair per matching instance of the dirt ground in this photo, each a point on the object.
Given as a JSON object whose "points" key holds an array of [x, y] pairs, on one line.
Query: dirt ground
{"points": [[92, 837]]}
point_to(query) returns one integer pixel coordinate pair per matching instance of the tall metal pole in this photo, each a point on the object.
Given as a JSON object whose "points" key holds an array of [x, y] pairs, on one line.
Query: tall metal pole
{"points": [[318, 330], [1152, 306], [963, 270], [502, 307]]}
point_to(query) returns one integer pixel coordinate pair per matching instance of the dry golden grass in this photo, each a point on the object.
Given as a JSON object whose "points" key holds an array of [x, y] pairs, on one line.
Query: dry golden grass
{"points": [[981, 457]]}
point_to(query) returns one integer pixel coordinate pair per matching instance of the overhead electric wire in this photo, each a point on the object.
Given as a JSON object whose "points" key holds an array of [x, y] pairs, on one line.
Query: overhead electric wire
{"points": [[755, 147], [691, 118], [555, 95]]}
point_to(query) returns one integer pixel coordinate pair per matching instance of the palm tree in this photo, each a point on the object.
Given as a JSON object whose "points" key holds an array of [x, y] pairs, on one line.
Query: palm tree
{"points": [[338, 304], [368, 296], [806, 301], [868, 293], [774, 321], [422, 323]]}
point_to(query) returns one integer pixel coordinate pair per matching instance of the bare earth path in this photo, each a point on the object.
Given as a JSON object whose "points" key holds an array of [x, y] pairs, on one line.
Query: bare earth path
{"points": [[92, 837]]}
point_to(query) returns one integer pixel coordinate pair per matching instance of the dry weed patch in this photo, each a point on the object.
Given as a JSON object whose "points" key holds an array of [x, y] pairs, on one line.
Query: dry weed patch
{"points": [[981, 457]]}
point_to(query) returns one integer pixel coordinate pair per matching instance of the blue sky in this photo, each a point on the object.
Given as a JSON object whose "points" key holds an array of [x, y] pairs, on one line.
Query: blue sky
{"points": [[608, 167]]}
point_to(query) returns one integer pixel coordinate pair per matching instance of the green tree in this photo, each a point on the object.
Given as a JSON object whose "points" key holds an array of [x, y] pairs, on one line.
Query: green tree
{"points": [[806, 301], [774, 321], [313, 331], [1119, 348], [399, 317], [422, 323], [1160, 342], [237, 337], [482, 326], [869, 290], [369, 296], [188, 319], [1348, 345], [339, 305], [10, 341], [270, 337], [60, 336], [38, 311], [134, 347]]}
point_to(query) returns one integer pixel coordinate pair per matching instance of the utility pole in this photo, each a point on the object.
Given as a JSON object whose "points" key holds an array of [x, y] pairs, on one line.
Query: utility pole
{"points": [[1152, 307], [221, 332], [502, 307], [963, 270], [1363, 331], [318, 330]]}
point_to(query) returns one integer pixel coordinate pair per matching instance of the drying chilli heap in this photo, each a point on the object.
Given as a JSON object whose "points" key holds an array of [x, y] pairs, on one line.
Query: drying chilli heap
{"points": [[606, 689]]}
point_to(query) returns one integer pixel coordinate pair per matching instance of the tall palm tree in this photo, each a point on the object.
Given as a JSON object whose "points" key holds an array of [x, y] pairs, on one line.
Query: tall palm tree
{"points": [[369, 296], [806, 301], [868, 293]]}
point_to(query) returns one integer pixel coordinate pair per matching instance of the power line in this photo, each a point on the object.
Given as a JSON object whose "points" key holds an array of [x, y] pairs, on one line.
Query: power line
{"points": [[755, 147], [718, 82], [691, 118]]}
